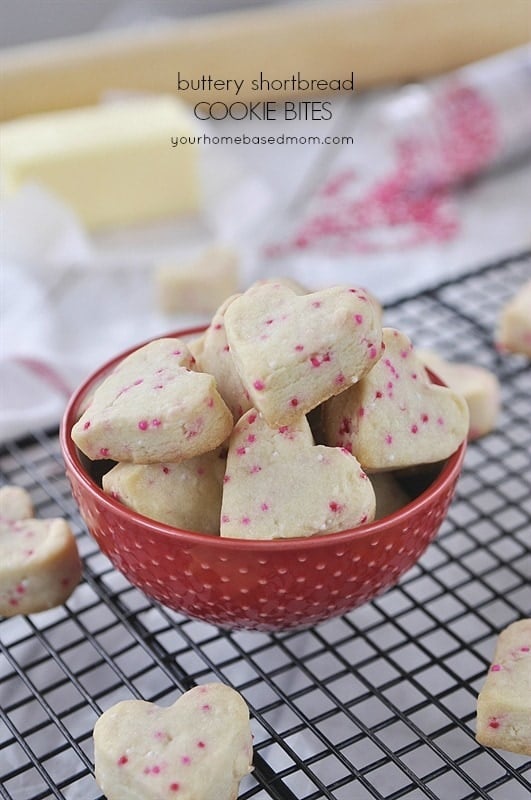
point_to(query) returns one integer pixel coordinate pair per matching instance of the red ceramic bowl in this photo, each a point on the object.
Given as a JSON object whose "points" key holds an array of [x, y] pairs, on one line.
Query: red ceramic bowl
{"points": [[262, 585]]}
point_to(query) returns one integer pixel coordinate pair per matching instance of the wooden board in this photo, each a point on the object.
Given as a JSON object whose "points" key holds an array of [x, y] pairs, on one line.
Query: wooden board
{"points": [[382, 41]]}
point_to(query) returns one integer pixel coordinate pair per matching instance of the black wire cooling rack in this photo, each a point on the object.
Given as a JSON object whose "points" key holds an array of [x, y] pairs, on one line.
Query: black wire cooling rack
{"points": [[379, 703]]}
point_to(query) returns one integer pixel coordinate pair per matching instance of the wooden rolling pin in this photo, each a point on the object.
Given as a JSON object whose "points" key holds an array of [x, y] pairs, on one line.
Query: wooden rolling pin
{"points": [[380, 41]]}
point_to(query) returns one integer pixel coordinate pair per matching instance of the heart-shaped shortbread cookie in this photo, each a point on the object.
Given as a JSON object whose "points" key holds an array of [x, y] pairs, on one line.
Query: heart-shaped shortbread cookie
{"points": [[214, 357], [186, 494], [197, 749], [153, 408], [292, 351], [394, 417], [39, 560], [479, 387], [278, 484]]}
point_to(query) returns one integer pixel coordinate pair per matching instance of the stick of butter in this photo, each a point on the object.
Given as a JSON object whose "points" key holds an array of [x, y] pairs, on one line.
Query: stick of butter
{"points": [[113, 164]]}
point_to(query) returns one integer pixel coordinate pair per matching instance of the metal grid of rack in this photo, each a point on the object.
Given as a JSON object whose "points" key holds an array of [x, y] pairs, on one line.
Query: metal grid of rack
{"points": [[379, 703]]}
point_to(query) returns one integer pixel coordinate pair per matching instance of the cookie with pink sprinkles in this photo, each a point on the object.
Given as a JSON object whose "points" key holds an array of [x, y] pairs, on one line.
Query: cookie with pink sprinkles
{"points": [[395, 417], [292, 352], [214, 357], [154, 408], [279, 484], [39, 560], [199, 748], [504, 702], [186, 494]]}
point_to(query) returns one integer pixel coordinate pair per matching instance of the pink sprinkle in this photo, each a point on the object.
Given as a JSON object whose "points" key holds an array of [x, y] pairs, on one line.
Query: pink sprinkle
{"points": [[316, 304], [494, 723], [166, 470], [251, 438], [186, 760], [414, 429], [315, 361], [389, 439], [414, 376], [361, 411], [299, 347], [104, 451], [259, 386], [495, 668], [255, 469], [138, 381], [269, 321], [339, 379], [201, 745], [294, 402], [177, 353], [378, 395], [122, 760], [363, 519], [372, 352], [424, 418], [218, 326], [226, 478], [86, 426], [143, 424], [335, 507], [525, 648], [226, 348], [225, 518], [245, 520], [156, 423], [206, 706], [210, 402], [174, 787], [440, 421], [252, 418], [241, 451], [264, 507], [404, 353], [345, 426], [358, 318]]}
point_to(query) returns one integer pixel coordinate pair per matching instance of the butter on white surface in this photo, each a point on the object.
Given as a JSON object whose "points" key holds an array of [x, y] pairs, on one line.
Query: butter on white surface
{"points": [[514, 323], [113, 164], [198, 285], [479, 387]]}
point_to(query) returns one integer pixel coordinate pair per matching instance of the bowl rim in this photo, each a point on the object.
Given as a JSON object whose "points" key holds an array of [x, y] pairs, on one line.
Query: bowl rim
{"points": [[449, 472]]}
